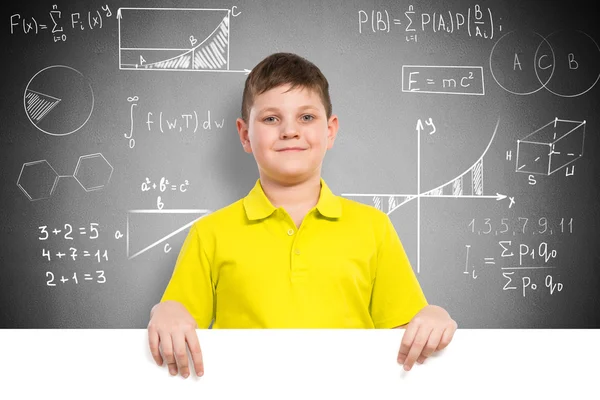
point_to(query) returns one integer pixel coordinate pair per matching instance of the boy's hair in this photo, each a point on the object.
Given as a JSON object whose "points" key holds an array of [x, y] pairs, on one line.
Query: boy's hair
{"points": [[284, 68]]}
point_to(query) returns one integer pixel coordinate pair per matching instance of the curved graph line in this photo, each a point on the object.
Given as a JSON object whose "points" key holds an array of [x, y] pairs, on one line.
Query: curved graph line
{"points": [[189, 51], [444, 184]]}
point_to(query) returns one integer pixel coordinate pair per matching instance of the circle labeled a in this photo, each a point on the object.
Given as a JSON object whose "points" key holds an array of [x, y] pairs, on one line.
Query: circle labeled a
{"points": [[58, 100], [515, 62]]}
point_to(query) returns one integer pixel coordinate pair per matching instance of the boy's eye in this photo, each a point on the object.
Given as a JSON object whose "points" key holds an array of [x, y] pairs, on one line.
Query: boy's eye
{"points": [[306, 117]]}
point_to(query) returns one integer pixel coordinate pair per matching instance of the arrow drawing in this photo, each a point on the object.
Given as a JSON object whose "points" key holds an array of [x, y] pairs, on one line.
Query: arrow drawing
{"points": [[473, 174]]}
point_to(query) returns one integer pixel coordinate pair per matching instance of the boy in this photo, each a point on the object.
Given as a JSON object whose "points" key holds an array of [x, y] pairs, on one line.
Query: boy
{"points": [[291, 254]]}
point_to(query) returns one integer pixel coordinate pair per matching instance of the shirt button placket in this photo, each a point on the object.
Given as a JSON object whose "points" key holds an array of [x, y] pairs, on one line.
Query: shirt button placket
{"points": [[298, 269]]}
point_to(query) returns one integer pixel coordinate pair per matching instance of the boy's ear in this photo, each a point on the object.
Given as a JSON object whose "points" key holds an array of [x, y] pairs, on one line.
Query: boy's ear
{"points": [[242, 128], [332, 129]]}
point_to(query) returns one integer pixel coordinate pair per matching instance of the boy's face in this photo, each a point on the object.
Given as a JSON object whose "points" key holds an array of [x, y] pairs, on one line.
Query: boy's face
{"points": [[289, 133]]}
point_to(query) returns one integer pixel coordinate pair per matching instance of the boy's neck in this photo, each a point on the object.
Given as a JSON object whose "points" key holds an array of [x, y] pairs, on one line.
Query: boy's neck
{"points": [[299, 195]]}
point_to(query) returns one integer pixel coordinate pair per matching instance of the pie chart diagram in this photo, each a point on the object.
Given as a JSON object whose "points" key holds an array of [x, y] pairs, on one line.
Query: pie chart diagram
{"points": [[58, 100]]}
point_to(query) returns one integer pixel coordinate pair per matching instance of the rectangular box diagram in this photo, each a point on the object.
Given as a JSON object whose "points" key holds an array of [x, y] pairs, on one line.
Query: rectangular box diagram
{"points": [[174, 39], [551, 147], [443, 79]]}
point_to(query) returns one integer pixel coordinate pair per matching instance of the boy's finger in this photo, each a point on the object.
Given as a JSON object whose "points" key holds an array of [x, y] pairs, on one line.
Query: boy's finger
{"points": [[432, 342], [446, 337], [168, 354], [154, 342], [181, 355], [416, 348], [196, 352], [407, 339]]}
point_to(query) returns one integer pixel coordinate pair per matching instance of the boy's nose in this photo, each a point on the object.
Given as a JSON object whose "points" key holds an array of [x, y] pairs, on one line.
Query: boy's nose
{"points": [[289, 131]]}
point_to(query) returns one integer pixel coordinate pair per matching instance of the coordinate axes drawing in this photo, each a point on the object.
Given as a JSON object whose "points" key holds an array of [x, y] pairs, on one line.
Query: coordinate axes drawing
{"points": [[467, 185]]}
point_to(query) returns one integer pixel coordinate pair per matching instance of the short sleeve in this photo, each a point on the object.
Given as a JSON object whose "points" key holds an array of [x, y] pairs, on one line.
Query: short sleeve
{"points": [[396, 296], [191, 282]]}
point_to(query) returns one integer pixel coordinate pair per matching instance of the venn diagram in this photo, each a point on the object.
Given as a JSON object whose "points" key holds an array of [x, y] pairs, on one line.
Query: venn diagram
{"points": [[565, 63]]}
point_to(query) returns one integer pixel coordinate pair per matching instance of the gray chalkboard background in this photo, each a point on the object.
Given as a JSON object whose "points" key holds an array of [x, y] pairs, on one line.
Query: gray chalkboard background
{"points": [[473, 124]]}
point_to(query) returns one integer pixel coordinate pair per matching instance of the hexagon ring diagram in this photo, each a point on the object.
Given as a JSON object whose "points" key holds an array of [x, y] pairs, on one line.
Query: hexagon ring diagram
{"points": [[38, 180], [93, 172], [58, 100]]}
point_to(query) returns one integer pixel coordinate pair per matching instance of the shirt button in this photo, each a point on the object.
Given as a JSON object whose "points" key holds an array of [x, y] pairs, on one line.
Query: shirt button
{"points": [[290, 232], [297, 251]]}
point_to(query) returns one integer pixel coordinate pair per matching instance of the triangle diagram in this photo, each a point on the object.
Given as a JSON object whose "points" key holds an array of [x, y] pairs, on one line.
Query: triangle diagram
{"points": [[147, 229]]}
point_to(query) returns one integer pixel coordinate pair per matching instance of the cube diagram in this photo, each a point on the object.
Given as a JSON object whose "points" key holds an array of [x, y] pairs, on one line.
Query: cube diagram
{"points": [[551, 147]]}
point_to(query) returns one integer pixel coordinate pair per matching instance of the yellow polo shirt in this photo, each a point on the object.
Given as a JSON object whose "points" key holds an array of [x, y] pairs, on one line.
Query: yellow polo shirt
{"points": [[247, 266]]}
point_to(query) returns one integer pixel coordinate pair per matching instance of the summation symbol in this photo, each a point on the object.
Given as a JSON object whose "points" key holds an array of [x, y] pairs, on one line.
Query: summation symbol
{"points": [[38, 179]]}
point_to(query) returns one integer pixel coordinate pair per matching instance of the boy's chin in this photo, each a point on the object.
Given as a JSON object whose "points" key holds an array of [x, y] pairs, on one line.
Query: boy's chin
{"points": [[292, 175]]}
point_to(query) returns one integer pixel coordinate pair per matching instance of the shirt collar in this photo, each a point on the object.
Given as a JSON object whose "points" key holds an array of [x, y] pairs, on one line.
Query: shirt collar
{"points": [[258, 205]]}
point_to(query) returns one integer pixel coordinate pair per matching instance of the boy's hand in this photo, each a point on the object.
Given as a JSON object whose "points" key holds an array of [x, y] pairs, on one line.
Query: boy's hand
{"points": [[171, 326], [430, 330]]}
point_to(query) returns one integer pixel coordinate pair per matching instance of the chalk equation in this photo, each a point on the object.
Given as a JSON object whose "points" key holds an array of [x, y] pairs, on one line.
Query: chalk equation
{"points": [[57, 24], [97, 275], [476, 22], [55, 253], [73, 253], [191, 121], [164, 185], [515, 255], [525, 284], [180, 122], [443, 79], [67, 231]]}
